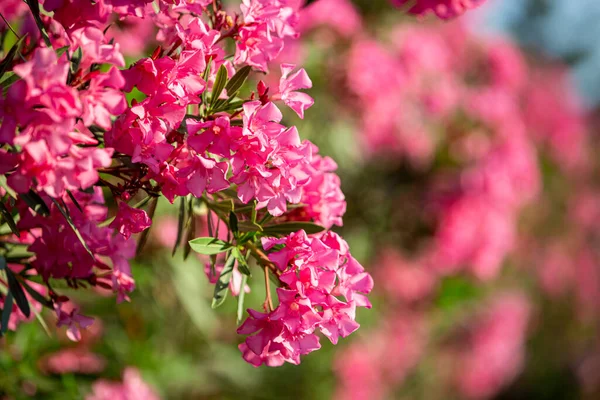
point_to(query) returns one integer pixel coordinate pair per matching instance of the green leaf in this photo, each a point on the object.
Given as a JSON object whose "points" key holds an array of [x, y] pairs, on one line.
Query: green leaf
{"points": [[74, 200], [76, 60], [220, 81], [4, 185], [35, 202], [8, 81], [190, 236], [237, 81], [209, 246], [7, 62], [222, 285], [241, 296], [9, 219], [74, 228], [6, 311], [62, 50], [34, 6], [249, 226], [242, 264], [233, 223], [286, 228], [37, 296], [17, 291]]}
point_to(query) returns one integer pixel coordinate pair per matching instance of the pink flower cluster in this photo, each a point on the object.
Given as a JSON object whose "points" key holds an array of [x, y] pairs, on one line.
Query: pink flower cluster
{"points": [[323, 285], [44, 108]]}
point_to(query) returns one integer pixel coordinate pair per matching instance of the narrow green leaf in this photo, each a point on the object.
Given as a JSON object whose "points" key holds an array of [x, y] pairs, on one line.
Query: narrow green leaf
{"points": [[222, 285], [35, 202], [7, 62], [291, 227], [74, 200], [17, 291], [62, 50], [9, 219], [241, 297], [219, 85], [34, 6], [8, 81], [73, 227], [249, 226], [233, 223], [191, 232], [180, 222], [237, 81], [242, 263], [6, 311], [209, 246], [37, 296], [4, 185]]}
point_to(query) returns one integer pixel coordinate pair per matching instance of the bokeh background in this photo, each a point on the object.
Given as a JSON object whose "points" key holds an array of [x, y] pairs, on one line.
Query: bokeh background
{"points": [[468, 153]]}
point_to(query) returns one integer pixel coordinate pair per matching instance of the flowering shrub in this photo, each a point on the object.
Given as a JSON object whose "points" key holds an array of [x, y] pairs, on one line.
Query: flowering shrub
{"points": [[80, 129]]}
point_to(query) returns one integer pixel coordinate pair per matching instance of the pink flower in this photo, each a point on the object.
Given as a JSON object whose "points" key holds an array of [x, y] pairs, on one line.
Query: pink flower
{"points": [[288, 86], [73, 320], [130, 220]]}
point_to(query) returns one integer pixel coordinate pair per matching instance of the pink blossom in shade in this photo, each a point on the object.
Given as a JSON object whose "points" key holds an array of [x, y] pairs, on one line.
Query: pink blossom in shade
{"points": [[73, 14], [72, 320], [444, 9], [317, 272], [339, 15], [132, 34], [132, 387], [12, 9], [495, 351], [130, 220], [288, 89]]}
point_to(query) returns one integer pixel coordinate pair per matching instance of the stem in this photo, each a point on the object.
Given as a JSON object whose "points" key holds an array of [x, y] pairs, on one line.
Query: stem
{"points": [[262, 258], [268, 300]]}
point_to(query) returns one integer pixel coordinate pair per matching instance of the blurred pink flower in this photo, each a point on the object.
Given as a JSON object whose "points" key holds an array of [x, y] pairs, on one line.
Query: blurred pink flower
{"points": [[132, 387]]}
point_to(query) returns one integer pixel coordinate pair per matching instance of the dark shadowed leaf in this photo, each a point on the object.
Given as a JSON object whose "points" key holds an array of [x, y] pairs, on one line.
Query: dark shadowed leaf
{"points": [[180, 222], [35, 202], [6, 311], [290, 227], [17, 291], [233, 223], [7, 216]]}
